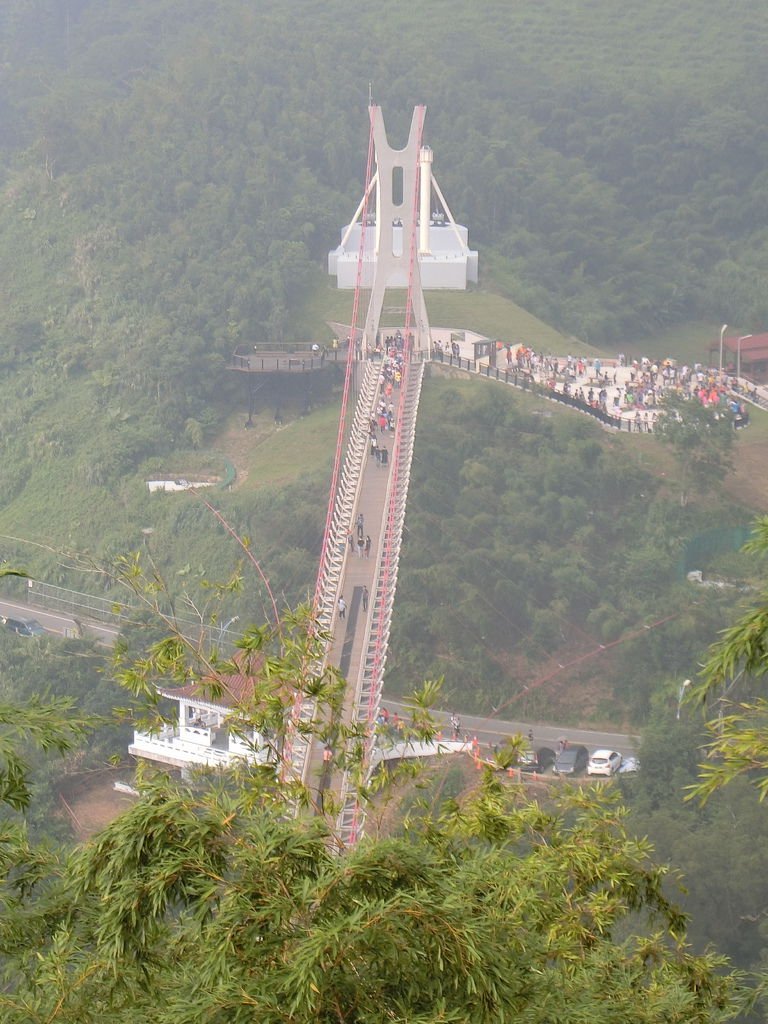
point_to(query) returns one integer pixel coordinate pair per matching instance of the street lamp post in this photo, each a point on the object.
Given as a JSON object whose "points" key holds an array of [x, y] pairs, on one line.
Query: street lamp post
{"points": [[722, 335], [680, 694], [738, 353], [223, 629]]}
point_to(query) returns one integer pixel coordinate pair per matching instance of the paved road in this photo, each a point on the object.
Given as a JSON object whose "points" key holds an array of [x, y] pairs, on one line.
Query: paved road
{"points": [[63, 625], [487, 730], [491, 730]]}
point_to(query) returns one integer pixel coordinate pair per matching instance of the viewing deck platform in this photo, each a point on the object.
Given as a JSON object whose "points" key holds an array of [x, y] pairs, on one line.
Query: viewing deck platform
{"points": [[307, 360]]}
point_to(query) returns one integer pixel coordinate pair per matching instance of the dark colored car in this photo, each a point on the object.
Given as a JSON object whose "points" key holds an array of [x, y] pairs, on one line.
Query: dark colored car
{"points": [[571, 761], [24, 627], [537, 760]]}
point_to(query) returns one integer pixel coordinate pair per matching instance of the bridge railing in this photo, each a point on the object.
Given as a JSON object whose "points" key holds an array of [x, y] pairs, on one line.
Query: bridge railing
{"points": [[371, 675], [333, 558], [335, 553], [523, 380]]}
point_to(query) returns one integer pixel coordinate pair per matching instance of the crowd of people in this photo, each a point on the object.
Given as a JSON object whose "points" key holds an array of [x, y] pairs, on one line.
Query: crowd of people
{"points": [[391, 346], [452, 349], [622, 392]]}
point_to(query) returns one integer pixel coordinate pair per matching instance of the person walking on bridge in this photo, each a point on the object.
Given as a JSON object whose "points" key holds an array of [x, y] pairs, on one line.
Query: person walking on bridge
{"points": [[365, 597], [342, 608]]}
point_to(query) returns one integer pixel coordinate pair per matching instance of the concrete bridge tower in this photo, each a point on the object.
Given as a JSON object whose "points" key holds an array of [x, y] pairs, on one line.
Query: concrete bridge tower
{"points": [[403, 234], [396, 262]]}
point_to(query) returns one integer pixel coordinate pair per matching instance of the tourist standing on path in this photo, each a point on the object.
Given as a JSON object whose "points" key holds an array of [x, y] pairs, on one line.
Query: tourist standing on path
{"points": [[365, 599], [368, 545], [342, 608]]}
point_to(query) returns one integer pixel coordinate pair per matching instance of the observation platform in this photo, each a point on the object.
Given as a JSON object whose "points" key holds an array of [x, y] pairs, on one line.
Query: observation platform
{"points": [[295, 359]]}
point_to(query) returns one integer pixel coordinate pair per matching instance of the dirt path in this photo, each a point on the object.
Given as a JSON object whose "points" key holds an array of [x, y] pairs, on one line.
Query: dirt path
{"points": [[92, 802]]}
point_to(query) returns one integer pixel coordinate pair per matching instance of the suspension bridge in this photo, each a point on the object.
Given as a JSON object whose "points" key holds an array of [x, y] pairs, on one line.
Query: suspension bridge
{"points": [[383, 360], [355, 587]]}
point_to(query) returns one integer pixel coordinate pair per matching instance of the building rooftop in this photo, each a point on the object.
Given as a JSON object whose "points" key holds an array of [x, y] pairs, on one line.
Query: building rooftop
{"points": [[235, 690]]}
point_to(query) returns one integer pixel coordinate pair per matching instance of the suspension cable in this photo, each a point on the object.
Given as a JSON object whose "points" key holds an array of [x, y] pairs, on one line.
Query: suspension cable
{"points": [[319, 585], [389, 567]]}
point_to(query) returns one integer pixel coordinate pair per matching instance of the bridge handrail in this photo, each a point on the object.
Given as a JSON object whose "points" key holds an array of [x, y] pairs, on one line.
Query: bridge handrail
{"points": [[523, 380], [335, 555], [368, 685]]}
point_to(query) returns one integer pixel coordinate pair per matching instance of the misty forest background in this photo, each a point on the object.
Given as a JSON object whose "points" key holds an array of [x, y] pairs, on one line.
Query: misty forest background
{"points": [[172, 175]]}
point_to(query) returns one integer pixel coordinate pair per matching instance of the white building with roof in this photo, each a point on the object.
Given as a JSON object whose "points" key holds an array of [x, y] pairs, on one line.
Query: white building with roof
{"points": [[205, 731]]}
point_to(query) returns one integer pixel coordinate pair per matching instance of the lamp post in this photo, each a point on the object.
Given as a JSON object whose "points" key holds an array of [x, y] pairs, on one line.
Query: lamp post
{"points": [[720, 367], [738, 353], [223, 629], [680, 694]]}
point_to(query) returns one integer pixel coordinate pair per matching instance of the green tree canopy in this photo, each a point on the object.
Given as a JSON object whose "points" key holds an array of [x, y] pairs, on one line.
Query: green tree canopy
{"points": [[197, 907], [207, 902], [731, 687], [701, 438]]}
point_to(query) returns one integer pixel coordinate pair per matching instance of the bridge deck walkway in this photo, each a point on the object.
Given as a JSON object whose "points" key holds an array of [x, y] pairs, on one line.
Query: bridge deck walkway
{"points": [[351, 634]]}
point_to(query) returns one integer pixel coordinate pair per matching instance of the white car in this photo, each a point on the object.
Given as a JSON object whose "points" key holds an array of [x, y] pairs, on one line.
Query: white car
{"points": [[604, 762]]}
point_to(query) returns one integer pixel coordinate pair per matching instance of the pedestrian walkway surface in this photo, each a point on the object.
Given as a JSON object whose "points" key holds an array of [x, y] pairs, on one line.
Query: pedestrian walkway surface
{"points": [[613, 376]]}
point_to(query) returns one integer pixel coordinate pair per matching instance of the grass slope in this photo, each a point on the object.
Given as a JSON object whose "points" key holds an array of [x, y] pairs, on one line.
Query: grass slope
{"points": [[484, 311]]}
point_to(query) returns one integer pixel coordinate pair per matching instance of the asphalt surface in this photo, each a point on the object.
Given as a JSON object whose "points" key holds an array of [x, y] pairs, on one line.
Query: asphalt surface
{"points": [[57, 623], [491, 730]]}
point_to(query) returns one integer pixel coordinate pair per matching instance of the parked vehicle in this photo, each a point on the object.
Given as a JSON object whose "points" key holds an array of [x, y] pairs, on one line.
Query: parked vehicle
{"points": [[24, 627], [537, 760], [604, 762], [629, 766], [571, 760]]}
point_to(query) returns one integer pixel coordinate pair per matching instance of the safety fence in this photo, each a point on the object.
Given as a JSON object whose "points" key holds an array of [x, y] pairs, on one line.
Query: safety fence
{"points": [[705, 546], [333, 558], [524, 381], [118, 613], [368, 686]]}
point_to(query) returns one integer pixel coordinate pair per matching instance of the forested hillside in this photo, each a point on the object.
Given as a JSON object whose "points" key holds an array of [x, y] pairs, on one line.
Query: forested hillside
{"points": [[542, 568], [611, 158], [172, 175]]}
